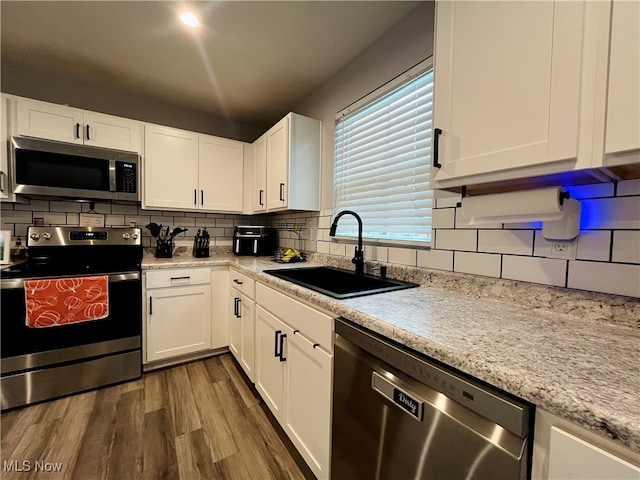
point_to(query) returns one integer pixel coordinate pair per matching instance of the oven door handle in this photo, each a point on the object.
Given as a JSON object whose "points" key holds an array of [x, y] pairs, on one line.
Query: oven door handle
{"points": [[113, 278]]}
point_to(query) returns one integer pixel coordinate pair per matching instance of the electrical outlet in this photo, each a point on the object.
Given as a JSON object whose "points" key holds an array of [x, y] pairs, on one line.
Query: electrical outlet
{"points": [[566, 250]]}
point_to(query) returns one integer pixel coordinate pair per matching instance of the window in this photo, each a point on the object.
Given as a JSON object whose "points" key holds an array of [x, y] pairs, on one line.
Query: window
{"points": [[382, 161]]}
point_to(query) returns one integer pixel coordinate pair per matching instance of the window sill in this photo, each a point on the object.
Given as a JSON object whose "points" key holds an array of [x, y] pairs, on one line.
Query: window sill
{"points": [[383, 243]]}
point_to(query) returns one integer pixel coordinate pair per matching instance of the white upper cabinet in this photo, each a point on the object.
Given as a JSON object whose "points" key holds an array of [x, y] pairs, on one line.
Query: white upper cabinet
{"points": [[170, 168], [220, 170], [4, 150], [71, 125], [259, 189], [286, 173], [187, 171], [521, 89], [622, 140]]}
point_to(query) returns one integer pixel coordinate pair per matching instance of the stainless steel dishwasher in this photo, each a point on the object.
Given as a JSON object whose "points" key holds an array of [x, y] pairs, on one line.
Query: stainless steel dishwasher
{"points": [[398, 415]]}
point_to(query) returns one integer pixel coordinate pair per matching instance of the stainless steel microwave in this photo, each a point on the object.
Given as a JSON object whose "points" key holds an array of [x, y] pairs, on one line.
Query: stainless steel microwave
{"points": [[45, 167]]}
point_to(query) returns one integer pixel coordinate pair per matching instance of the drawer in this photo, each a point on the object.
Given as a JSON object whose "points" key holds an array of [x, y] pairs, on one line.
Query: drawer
{"points": [[242, 283], [316, 326], [177, 277]]}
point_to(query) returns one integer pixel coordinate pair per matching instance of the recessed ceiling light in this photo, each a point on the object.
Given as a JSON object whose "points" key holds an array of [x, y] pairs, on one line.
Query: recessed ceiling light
{"points": [[189, 19]]}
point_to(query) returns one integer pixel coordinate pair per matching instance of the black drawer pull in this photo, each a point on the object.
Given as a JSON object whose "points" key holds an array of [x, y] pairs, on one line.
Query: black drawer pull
{"points": [[436, 143], [275, 345], [282, 357], [235, 280]]}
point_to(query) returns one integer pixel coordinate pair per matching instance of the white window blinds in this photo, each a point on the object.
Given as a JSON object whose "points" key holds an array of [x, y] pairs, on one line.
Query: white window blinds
{"points": [[382, 164]]}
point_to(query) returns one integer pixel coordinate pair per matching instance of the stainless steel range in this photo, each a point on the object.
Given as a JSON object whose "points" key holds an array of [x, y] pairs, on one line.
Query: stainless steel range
{"points": [[71, 314]]}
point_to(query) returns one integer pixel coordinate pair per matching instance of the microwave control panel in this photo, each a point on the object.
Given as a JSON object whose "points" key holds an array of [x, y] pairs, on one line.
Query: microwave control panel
{"points": [[126, 177]]}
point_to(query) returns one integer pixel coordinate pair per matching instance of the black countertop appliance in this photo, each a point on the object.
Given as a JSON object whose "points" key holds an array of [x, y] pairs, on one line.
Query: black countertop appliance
{"points": [[254, 240]]}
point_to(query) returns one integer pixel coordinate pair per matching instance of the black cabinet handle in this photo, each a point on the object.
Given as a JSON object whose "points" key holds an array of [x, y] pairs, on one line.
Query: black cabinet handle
{"points": [[195, 196], [436, 142], [150, 305], [87, 127], [282, 192], [275, 344], [201, 197], [77, 130], [238, 307], [235, 306], [282, 357], [260, 198], [235, 280], [2, 177]]}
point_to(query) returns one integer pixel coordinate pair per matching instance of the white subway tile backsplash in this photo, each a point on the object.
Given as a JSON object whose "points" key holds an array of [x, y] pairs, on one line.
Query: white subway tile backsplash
{"points": [[438, 259], [65, 207], [477, 263], [547, 271], [224, 222], [324, 222], [9, 206], [626, 246], [379, 254], [402, 256], [140, 220], [124, 209], [515, 242], [73, 219], [616, 278], [594, 245], [53, 218], [103, 208], [114, 220], [185, 222], [444, 199], [629, 187], [338, 249], [465, 240], [15, 216], [542, 246], [324, 247], [33, 205], [443, 218], [611, 213]]}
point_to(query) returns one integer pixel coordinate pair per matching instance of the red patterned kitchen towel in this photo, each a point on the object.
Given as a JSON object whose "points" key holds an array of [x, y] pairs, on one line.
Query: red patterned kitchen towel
{"points": [[61, 301]]}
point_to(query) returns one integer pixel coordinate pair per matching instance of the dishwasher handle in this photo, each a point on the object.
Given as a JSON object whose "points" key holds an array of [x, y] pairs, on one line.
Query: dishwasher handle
{"points": [[407, 401]]}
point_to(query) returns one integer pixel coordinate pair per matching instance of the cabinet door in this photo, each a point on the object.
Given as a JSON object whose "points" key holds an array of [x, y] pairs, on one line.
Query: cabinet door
{"points": [[4, 148], [278, 165], [248, 334], [571, 457], [219, 307], [507, 89], [220, 174], [178, 321], [622, 142], [46, 120], [308, 402], [107, 131], [170, 168], [235, 324], [259, 191], [271, 355]]}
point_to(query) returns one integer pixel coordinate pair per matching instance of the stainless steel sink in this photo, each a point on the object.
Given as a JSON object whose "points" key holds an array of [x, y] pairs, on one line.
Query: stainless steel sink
{"points": [[338, 283]]}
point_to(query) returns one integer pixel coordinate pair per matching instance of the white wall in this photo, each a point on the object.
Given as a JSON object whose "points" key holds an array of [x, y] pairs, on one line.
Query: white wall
{"points": [[407, 43]]}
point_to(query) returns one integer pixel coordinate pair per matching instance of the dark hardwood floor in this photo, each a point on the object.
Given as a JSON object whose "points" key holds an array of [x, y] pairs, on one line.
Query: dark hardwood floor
{"points": [[199, 420]]}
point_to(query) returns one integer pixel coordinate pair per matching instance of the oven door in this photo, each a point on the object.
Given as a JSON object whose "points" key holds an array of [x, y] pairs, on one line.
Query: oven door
{"points": [[23, 347]]}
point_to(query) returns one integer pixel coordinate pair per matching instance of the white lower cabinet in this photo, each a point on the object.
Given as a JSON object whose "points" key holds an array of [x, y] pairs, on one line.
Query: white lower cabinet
{"points": [[294, 372], [178, 312], [563, 450], [242, 321]]}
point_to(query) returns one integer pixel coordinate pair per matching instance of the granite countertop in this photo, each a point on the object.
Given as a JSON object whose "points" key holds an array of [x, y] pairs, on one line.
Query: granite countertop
{"points": [[578, 368]]}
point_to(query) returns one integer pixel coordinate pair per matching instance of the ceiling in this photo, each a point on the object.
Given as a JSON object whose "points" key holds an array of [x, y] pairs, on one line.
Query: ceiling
{"points": [[249, 61]]}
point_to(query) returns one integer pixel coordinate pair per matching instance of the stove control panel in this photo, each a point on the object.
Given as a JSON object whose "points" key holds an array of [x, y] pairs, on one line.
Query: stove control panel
{"points": [[84, 235], [64, 236]]}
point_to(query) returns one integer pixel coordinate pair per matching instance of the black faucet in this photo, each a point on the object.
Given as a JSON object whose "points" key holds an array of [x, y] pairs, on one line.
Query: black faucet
{"points": [[358, 258]]}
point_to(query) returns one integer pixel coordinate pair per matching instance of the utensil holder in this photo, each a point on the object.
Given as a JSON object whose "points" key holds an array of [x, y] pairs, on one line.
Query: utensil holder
{"points": [[164, 249], [201, 252]]}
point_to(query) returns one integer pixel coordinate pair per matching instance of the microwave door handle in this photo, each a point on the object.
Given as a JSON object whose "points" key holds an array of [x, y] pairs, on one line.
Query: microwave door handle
{"points": [[112, 175]]}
